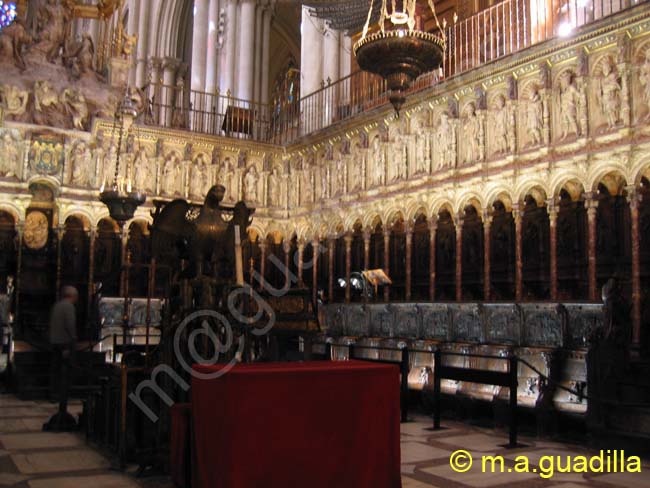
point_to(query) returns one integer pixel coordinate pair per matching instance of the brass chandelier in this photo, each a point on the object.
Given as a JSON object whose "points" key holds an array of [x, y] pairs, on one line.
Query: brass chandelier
{"points": [[399, 50]]}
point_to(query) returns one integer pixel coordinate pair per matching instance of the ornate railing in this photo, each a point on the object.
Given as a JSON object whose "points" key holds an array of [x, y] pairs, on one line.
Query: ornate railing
{"points": [[501, 30]]}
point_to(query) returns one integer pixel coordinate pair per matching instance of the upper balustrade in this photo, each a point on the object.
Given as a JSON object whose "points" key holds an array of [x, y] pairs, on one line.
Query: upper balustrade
{"points": [[504, 29]]}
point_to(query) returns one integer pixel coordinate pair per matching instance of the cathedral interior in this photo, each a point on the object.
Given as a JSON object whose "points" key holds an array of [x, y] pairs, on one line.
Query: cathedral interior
{"points": [[299, 236]]}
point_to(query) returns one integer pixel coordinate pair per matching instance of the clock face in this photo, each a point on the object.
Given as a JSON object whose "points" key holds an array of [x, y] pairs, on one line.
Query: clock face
{"points": [[36, 230]]}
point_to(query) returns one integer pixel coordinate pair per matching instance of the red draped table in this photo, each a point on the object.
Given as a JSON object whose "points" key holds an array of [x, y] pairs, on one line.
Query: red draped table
{"points": [[296, 425]]}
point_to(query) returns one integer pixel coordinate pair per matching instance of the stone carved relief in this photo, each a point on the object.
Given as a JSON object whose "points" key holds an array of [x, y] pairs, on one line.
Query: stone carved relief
{"points": [[608, 91], [339, 170], [500, 126], [445, 143], [421, 145], [249, 184], [397, 152], [644, 81], [109, 161], [376, 163], [144, 174], [534, 118], [200, 177], [570, 105], [10, 154], [172, 175], [356, 165], [274, 186], [13, 100], [306, 186], [81, 160], [36, 230], [472, 134]]}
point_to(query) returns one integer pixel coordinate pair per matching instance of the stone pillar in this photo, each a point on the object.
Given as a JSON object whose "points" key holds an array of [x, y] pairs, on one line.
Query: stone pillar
{"points": [[257, 54], [459, 259], [348, 266], [301, 261], [246, 54], [263, 247], [286, 247], [518, 216], [92, 236], [366, 248], [433, 227], [229, 56], [591, 204], [409, 261], [199, 44], [553, 210], [330, 265], [315, 244], [212, 56], [143, 42], [266, 37], [124, 234], [60, 231], [311, 53], [387, 233], [487, 259], [634, 198]]}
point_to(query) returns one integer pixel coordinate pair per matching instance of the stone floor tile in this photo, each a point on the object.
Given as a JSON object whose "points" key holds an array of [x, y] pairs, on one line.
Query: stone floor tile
{"points": [[40, 440], [475, 477], [477, 442], [11, 479], [416, 452], [627, 480], [99, 481], [59, 461]]}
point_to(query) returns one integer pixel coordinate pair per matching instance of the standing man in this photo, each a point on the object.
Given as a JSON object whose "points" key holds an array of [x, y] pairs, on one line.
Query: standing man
{"points": [[63, 340]]}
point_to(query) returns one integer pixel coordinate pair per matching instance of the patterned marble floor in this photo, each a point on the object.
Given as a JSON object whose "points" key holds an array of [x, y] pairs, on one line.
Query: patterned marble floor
{"points": [[30, 458]]}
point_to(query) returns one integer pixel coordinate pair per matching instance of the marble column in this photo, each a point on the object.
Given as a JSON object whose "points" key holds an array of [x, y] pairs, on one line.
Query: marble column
{"points": [[301, 262], [246, 51], [409, 262], [331, 67], [487, 259], [257, 54], [348, 266], [553, 209], [263, 247], [92, 236], [311, 53], [591, 204], [266, 45], [330, 265], [124, 259], [387, 233], [518, 216], [433, 227], [459, 259], [366, 248], [315, 244], [634, 199], [60, 231], [229, 55], [142, 49], [212, 55], [199, 44], [286, 247]]}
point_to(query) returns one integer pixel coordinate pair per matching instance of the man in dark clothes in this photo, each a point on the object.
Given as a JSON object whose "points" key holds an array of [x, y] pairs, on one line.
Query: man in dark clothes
{"points": [[63, 339]]}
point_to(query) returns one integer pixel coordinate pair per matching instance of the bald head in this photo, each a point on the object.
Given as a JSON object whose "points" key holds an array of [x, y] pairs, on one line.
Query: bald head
{"points": [[70, 293]]}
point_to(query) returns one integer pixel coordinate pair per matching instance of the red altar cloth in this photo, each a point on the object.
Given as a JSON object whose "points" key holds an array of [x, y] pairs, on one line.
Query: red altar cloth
{"points": [[297, 425]]}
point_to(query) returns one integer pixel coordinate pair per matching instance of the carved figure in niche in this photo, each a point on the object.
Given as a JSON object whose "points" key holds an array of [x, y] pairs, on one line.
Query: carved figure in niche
{"points": [[534, 118], [610, 93], [81, 159], [13, 100], [397, 160], [143, 177], [12, 40], [340, 174], [445, 139], [53, 19], [79, 59], [569, 100], [171, 174], [355, 168], [250, 184], [472, 129], [109, 165], [378, 158], [36, 230], [274, 188], [422, 153], [294, 194], [500, 120], [76, 106], [324, 182], [307, 186], [9, 155], [644, 79]]}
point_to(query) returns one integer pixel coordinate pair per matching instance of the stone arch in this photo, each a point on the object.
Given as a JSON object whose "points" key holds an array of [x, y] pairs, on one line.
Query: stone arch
{"points": [[615, 182], [416, 208], [442, 204], [82, 213], [471, 201], [597, 176], [571, 182], [17, 213], [79, 216], [536, 189]]}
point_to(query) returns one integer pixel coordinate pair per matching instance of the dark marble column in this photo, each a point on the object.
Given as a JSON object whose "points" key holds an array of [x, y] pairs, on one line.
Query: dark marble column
{"points": [[315, 244], [387, 233], [433, 227], [459, 259], [591, 204], [553, 210], [348, 266], [634, 198], [330, 265], [263, 247], [518, 216], [408, 229], [286, 247], [366, 248], [487, 261], [301, 261]]}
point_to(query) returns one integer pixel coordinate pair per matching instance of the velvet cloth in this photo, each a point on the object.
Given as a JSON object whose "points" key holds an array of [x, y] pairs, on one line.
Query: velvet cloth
{"points": [[180, 449], [296, 425]]}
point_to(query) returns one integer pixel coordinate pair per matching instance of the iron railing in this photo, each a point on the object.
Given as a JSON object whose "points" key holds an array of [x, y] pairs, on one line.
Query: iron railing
{"points": [[501, 30]]}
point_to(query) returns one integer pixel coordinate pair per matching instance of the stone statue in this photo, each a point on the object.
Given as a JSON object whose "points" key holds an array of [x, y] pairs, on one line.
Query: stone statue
{"points": [[445, 138], [200, 182], [569, 100], [355, 168], [340, 174], [13, 100], [500, 127], [109, 164], [53, 19], [472, 129], [75, 104], [9, 155], [378, 158], [644, 79], [422, 152], [534, 118], [274, 188], [143, 179], [294, 194], [171, 175], [80, 58], [610, 93], [307, 187], [397, 156], [81, 159], [250, 184], [12, 40], [324, 182], [128, 45], [47, 108]]}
